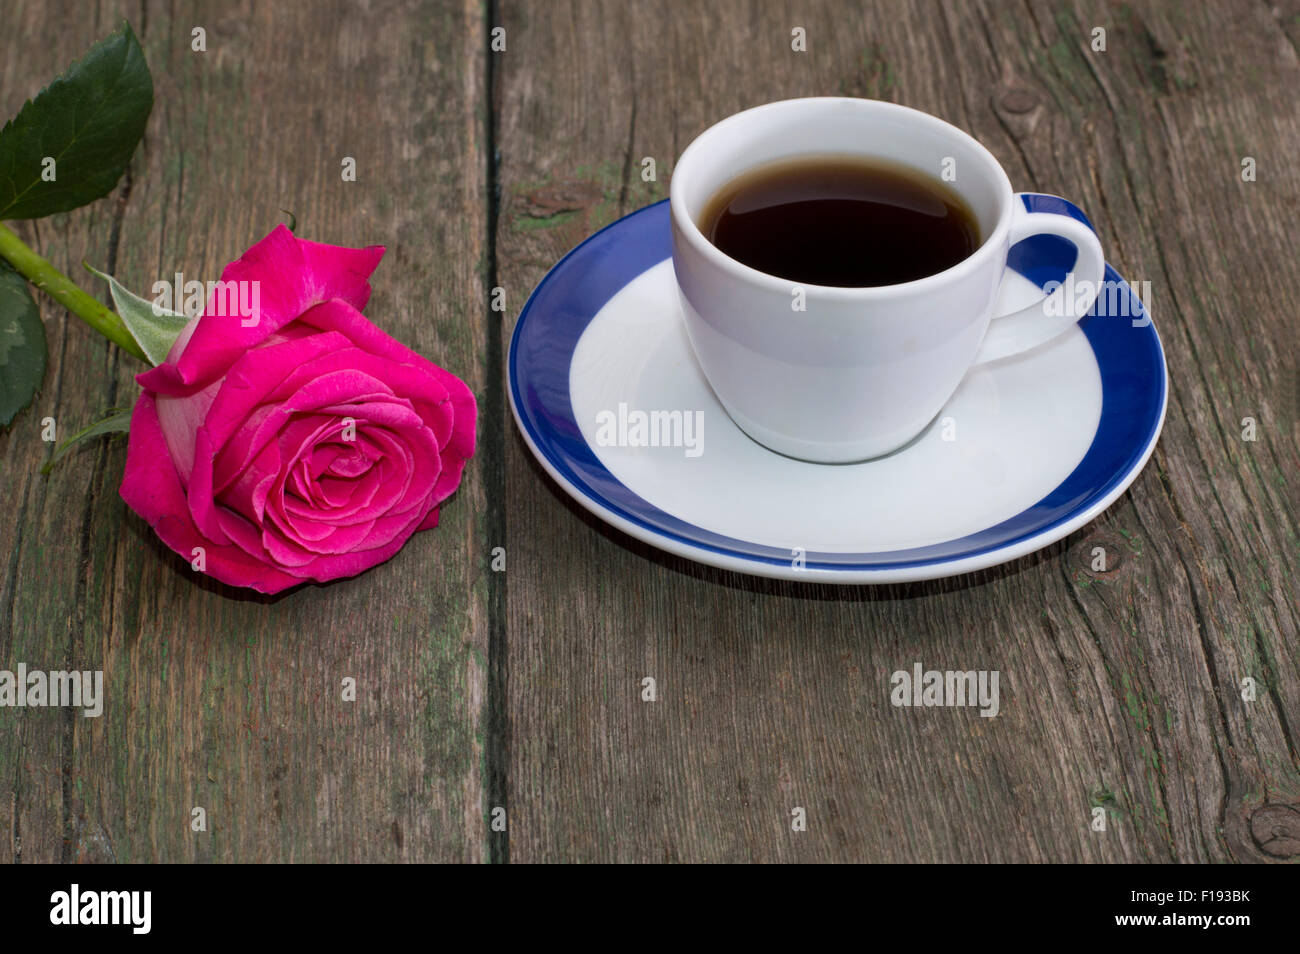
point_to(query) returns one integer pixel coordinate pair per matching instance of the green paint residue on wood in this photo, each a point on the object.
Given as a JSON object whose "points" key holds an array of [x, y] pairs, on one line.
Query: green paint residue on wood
{"points": [[1135, 704], [873, 77], [1103, 797], [1134, 542], [531, 223], [444, 685]]}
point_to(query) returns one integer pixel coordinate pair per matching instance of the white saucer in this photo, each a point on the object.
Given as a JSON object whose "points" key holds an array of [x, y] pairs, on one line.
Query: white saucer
{"points": [[1027, 450]]}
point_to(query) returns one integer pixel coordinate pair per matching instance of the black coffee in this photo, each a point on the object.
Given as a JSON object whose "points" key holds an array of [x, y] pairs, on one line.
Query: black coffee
{"points": [[841, 220]]}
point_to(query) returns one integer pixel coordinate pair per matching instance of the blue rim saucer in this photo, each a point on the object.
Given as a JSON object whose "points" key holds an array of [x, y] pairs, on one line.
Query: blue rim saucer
{"points": [[1123, 341]]}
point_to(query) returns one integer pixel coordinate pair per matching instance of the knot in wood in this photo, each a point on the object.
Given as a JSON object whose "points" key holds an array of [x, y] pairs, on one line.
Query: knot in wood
{"points": [[1276, 829]]}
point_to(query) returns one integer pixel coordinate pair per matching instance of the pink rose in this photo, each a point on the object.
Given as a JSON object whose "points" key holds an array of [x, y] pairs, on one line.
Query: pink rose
{"points": [[307, 446]]}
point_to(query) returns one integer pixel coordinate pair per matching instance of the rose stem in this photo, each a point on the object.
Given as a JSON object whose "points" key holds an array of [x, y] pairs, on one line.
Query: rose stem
{"points": [[58, 286]]}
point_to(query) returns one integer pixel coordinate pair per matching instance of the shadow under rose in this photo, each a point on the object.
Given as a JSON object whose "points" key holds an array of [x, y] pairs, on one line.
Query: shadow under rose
{"points": [[182, 568], [169, 558]]}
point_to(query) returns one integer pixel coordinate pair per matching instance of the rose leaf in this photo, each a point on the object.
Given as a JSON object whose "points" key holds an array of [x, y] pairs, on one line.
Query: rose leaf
{"points": [[71, 144], [154, 329], [22, 344], [114, 420]]}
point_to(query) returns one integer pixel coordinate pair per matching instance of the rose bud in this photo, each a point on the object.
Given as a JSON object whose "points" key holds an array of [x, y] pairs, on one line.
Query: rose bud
{"points": [[301, 443]]}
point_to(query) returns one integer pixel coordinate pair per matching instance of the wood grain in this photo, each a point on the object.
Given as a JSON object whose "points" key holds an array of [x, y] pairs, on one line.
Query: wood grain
{"points": [[1120, 689], [42, 540], [215, 699]]}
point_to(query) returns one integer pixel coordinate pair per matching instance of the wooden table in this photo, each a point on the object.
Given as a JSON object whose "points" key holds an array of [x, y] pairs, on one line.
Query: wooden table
{"points": [[521, 689]]}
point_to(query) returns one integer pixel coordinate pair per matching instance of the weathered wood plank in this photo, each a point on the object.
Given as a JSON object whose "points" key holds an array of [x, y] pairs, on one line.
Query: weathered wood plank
{"points": [[1120, 689], [1211, 90], [44, 540], [216, 699]]}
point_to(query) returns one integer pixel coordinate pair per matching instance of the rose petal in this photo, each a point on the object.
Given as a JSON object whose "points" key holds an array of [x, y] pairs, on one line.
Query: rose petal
{"points": [[151, 487], [181, 418], [292, 276], [328, 390], [309, 566], [338, 316]]}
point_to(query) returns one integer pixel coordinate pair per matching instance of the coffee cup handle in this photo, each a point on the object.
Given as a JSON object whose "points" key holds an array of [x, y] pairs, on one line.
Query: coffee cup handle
{"points": [[1017, 331]]}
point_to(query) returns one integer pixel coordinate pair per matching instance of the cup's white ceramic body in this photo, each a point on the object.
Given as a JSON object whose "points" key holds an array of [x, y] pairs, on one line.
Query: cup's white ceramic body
{"points": [[845, 374]]}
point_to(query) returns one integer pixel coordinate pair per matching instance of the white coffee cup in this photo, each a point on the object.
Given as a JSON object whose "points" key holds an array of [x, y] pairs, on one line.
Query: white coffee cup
{"points": [[859, 372]]}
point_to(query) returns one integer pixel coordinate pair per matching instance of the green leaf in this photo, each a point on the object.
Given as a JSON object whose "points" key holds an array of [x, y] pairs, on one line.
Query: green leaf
{"points": [[22, 344], [154, 329], [115, 420], [88, 121]]}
